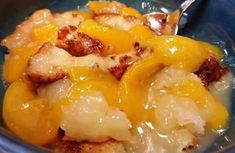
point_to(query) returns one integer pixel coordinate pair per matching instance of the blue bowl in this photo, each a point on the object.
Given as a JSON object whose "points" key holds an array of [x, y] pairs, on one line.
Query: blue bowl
{"points": [[211, 21]]}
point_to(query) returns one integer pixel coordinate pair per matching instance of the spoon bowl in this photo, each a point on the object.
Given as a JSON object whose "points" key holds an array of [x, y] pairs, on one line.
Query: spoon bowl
{"points": [[167, 24]]}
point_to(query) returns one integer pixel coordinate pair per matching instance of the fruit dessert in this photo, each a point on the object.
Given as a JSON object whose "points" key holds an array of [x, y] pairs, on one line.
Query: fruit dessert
{"points": [[100, 80]]}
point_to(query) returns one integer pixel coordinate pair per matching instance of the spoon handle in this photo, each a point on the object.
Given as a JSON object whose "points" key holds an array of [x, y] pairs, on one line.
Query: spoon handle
{"points": [[173, 19], [185, 5]]}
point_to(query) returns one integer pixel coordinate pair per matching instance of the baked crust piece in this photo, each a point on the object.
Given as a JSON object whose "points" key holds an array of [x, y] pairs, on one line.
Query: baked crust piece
{"points": [[79, 44], [110, 146], [211, 71]]}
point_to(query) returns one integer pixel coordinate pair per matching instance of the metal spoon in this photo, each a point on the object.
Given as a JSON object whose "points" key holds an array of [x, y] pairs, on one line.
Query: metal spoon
{"points": [[167, 24]]}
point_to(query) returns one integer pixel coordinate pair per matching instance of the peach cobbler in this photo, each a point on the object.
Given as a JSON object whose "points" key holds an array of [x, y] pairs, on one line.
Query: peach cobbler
{"points": [[99, 80]]}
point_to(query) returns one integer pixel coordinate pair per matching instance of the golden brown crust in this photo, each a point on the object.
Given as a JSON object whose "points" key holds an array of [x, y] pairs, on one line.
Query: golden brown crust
{"points": [[38, 78], [110, 146], [191, 146], [53, 73], [211, 71], [79, 44], [51, 63]]}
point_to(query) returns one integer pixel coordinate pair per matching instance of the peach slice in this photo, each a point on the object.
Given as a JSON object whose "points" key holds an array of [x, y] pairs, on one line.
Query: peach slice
{"points": [[28, 116]]}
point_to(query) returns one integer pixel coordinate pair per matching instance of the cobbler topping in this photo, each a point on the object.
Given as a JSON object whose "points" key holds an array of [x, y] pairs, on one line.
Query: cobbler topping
{"points": [[79, 44], [211, 71]]}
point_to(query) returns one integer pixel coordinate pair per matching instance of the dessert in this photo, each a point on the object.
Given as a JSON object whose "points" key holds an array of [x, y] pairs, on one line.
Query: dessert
{"points": [[100, 80]]}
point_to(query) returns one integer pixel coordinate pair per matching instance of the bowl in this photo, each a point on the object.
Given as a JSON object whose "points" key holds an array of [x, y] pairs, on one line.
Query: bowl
{"points": [[210, 21]]}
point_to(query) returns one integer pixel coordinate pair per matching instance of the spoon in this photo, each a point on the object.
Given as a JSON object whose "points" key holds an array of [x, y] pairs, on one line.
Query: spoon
{"points": [[167, 24]]}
